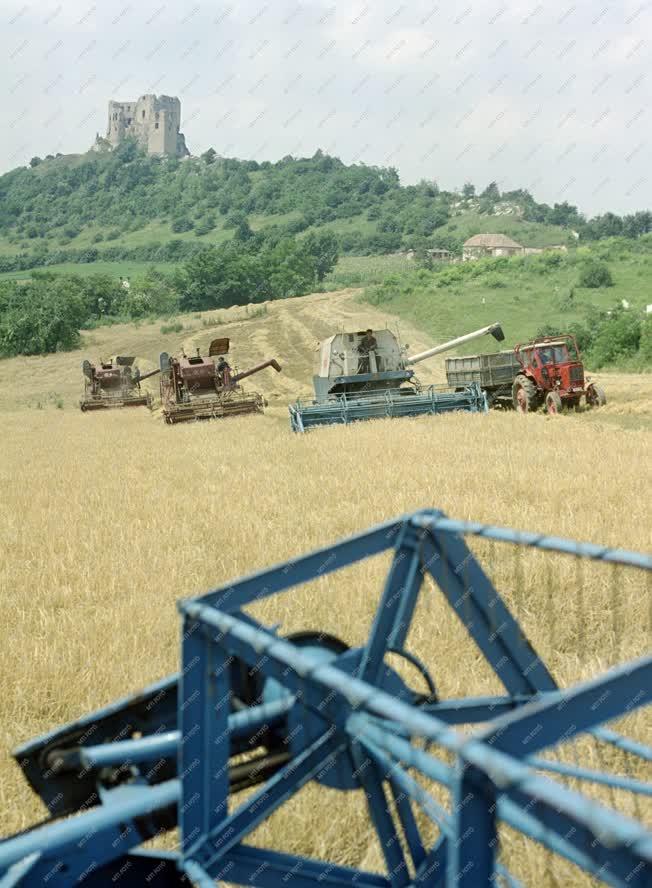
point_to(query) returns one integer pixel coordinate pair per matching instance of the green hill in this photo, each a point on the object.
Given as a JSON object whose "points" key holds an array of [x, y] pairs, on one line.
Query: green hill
{"points": [[125, 207]]}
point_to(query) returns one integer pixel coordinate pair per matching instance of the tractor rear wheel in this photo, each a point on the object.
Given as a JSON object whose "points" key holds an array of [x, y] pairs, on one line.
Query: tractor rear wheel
{"points": [[595, 396], [553, 403], [524, 394]]}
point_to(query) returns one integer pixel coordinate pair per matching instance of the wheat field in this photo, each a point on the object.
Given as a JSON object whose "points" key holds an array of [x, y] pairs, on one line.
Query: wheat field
{"points": [[108, 518]]}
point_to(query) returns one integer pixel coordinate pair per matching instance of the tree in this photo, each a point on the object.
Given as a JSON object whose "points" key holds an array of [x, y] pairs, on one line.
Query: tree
{"points": [[468, 191], [181, 223], [243, 232], [563, 214], [618, 337], [323, 247], [209, 156], [595, 274], [41, 316], [35, 161], [491, 192]]}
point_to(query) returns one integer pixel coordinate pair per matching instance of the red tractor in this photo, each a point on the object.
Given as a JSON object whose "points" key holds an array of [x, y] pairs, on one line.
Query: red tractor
{"points": [[552, 373]]}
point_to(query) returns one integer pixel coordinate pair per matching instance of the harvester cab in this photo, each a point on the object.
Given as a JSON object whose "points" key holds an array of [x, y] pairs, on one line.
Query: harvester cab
{"points": [[552, 373], [345, 364], [114, 383], [362, 375], [205, 387]]}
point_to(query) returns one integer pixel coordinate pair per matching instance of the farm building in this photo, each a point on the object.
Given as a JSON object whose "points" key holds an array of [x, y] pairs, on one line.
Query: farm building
{"points": [[436, 255], [482, 245]]}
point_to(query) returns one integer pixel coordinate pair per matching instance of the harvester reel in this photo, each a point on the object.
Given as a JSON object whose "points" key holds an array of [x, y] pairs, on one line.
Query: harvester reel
{"points": [[341, 717]]}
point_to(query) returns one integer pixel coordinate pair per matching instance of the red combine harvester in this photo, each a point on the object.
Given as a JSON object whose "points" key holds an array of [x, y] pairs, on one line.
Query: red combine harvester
{"points": [[114, 383], [197, 387], [547, 371]]}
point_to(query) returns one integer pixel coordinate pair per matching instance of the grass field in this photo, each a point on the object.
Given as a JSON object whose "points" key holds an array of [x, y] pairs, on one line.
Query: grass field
{"points": [[109, 518], [522, 298]]}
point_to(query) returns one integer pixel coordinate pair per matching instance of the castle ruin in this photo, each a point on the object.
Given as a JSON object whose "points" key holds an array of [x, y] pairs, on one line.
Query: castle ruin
{"points": [[153, 121]]}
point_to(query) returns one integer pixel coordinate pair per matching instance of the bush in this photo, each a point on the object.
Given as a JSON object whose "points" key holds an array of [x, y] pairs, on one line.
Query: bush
{"points": [[618, 337], [180, 224], [39, 317], [594, 274]]}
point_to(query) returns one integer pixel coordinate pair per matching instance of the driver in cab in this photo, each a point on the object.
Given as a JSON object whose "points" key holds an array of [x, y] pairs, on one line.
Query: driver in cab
{"points": [[367, 344]]}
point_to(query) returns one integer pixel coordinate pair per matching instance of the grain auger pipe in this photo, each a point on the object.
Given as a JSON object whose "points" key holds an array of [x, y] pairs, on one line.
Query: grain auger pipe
{"points": [[271, 363], [494, 329], [139, 377]]}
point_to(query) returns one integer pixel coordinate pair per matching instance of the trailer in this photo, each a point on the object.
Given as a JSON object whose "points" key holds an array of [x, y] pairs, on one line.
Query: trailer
{"points": [[494, 373]]}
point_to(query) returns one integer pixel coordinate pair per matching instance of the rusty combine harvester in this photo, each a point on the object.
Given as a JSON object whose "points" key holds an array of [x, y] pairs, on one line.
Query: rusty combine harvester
{"points": [[198, 387], [114, 383]]}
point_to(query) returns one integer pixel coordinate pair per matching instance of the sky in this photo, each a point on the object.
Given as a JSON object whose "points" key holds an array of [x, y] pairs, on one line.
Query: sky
{"points": [[552, 97]]}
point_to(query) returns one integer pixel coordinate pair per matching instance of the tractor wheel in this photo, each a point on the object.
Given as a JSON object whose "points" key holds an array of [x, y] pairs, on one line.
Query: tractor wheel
{"points": [[553, 403], [524, 395], [595, 396]]}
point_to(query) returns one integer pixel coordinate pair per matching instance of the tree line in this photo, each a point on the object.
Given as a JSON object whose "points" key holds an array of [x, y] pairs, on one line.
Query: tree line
{"points": [[46, 313]]}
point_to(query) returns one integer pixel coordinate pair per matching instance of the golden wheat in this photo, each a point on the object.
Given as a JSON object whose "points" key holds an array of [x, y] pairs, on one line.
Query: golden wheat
{"points": [[108, 518]]}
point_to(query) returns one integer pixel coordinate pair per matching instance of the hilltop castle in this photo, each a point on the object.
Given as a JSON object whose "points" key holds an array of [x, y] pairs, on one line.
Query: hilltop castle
{"points": [[152, 120]]}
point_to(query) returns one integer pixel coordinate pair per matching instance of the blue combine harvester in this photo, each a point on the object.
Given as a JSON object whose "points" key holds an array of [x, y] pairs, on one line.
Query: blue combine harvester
{"points": [[368, 375], [253, 710]]}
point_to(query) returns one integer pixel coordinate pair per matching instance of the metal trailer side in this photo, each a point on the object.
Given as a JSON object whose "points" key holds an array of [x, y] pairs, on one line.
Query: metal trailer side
{"points": [[494, 373]]}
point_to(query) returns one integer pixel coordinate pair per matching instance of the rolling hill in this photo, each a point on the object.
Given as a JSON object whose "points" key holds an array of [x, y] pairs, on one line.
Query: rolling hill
{"points": [[126, 207]]}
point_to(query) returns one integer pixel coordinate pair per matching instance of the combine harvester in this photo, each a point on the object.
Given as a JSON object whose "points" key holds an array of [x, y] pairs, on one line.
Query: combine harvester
{"points": [[309, 709], [354, 381], [196, 387], [113, 383]]}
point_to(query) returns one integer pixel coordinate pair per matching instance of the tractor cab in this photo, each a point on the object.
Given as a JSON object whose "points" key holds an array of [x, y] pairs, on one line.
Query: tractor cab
{"points": [[554, 363]]}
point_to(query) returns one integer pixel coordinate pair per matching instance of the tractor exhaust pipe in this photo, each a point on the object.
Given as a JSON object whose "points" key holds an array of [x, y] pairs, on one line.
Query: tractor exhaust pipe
{"points": [[271, 363], [494, 329]]}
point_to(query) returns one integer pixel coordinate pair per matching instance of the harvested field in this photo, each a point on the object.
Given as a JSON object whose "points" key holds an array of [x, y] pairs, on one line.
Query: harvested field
{"points": [[109, 518]]}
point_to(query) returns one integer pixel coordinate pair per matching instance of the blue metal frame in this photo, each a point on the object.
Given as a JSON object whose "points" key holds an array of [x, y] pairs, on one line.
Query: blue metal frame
{"points": [[344, 408], [344, 719]]}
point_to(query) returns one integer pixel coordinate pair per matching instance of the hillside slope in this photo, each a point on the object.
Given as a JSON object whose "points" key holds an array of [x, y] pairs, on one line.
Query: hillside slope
{"points": [[125, 205]]}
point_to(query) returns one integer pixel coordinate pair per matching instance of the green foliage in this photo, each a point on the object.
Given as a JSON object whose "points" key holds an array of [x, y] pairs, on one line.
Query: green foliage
{"points": [[249, 270], [177, 327], [594, 274], [365, 207], [149, 295], [616, 336], [645, 342], [181, 223], [530, 300], [40, 316], [323, 248]]}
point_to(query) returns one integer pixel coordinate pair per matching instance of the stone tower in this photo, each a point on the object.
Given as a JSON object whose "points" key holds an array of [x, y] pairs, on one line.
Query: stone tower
{"points": [[154, 121]]}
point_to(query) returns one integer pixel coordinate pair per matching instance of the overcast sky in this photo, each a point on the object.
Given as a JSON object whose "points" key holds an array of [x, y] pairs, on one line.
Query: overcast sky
{"points": [[549, 96]]}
